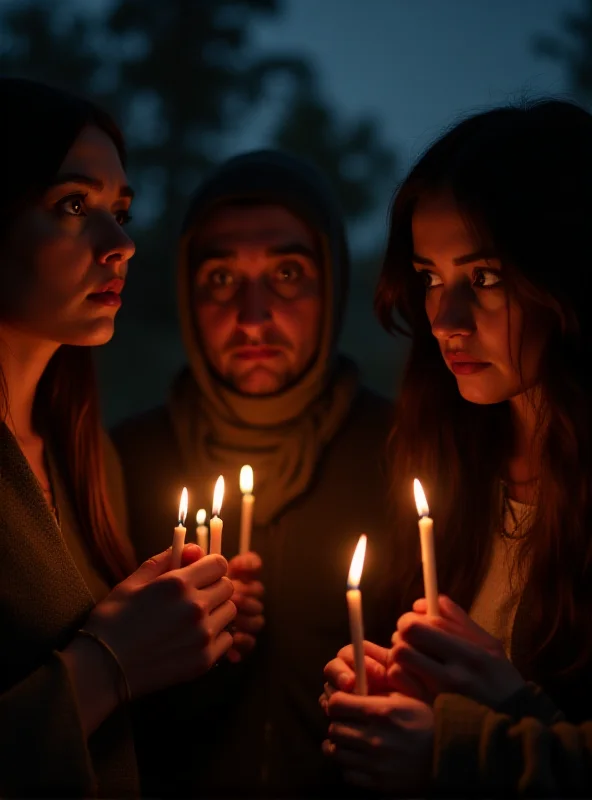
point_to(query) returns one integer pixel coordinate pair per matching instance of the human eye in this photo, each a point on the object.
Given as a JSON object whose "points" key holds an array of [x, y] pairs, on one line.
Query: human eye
{"points": [[72, 205], [486, 278], [123, 216], [288, 272], [220, 278], [429, 279]]}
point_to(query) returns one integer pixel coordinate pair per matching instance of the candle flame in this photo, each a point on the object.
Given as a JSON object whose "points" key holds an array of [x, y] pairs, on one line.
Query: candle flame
{"points": [[246, 479], [420, 499], [183, 506], [218, 497], [357, 564], [200, 517]]}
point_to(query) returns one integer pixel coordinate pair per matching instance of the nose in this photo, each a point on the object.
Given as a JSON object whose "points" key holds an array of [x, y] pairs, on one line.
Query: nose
{"points": [[454, 313], [113, 245], [254, 307]]}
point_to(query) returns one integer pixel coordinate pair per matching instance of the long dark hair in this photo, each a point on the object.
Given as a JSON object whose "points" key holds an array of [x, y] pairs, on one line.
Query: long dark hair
{"points": [[39, 126], [522, 178]]}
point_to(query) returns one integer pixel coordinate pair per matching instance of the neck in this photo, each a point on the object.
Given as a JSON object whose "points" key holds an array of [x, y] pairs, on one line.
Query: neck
{"points": [[23, 359]]}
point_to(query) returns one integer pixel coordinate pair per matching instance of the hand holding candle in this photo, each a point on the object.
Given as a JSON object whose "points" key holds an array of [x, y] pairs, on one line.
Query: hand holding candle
{"points": [[179, 533], [356, 620], [428, 555], [246, 487], [201, 532], [216, 522]]}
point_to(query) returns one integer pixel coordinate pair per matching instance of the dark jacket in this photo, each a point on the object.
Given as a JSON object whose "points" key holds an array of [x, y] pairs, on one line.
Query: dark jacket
{"points": [[257, 728], [44, 599]]}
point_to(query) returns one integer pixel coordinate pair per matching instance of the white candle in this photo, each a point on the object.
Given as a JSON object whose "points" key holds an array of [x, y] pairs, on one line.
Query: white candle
{"points": [[179, 533], [428, 554], [216, 522], [246, 487], [356, 619], [201, 531]]}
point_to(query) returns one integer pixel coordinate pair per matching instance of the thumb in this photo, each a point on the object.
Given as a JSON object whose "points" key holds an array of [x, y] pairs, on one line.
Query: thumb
{"points": [[151, 569]]}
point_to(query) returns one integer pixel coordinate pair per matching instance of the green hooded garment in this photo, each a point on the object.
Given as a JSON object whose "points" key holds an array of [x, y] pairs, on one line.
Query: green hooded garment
{"points": [[317, 449]]}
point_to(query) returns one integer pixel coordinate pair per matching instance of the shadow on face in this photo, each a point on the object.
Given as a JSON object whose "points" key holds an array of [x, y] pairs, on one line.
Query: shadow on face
{"points": [[477, 321], [257, 295], [64, 262]]}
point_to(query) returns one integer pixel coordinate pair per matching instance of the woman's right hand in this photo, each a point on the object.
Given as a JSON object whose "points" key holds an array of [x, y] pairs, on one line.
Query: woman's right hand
{"points": [[340, 675], [167, 627]]}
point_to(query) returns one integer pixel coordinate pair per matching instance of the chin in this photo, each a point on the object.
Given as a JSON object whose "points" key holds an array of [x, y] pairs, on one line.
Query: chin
{"points": [[483, 395], [258, 382], [93, 334]]}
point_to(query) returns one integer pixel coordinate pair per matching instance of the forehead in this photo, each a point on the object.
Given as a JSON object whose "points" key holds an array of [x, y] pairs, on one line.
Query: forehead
{"points": [[93, 153], [259, 226], [439, 227]]}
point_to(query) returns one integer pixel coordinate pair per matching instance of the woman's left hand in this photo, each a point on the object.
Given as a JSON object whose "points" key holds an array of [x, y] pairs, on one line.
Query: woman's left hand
{"points": [[382, 743], [244, 571], [450, 653]]}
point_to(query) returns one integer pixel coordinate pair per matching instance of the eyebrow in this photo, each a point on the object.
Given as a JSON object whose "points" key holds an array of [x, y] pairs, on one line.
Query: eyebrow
{"points": [[92, 183], [288, 249], [461, 261]]}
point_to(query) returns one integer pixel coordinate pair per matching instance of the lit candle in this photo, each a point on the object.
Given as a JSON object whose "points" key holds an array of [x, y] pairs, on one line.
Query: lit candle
{"points": [[356, 621], [179, 534], [428, 555], [216, 522], [246, 487], [202, 530]]}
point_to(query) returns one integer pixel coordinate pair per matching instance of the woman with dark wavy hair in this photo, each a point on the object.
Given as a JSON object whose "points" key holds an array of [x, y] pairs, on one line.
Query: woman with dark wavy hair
{"points": [[81, 632], [488, 269]]}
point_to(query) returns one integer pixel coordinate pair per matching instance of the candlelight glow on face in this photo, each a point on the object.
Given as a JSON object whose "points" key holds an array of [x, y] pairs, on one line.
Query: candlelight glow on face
{"points": [[420, 499], [200, 517], [183, 506], [218, 497], [246, 479], [357, 564]]}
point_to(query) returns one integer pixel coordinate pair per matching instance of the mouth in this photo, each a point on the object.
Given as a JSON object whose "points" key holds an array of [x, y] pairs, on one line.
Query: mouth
{"points": [[464, 364], [108, 294], [262, 353]]}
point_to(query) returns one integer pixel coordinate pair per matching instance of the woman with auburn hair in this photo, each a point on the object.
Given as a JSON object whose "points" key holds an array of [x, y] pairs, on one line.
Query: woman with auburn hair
{"points": [[488, 269], [82, 633]]}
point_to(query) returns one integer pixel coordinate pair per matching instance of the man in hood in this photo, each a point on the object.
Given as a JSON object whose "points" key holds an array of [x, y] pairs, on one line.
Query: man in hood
{"points": [[263, 277]]}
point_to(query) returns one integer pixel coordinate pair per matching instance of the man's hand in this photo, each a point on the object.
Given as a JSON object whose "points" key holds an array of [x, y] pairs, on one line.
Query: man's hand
{"points": [[244, 572]]}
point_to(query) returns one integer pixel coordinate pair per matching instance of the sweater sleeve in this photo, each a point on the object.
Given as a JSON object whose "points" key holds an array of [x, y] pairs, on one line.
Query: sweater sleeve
{"points": [[43, 750], [524, 748]]}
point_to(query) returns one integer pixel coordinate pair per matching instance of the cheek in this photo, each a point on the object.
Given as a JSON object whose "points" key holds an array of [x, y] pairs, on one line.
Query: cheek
{"points": [[301, 321], [214, 322]]}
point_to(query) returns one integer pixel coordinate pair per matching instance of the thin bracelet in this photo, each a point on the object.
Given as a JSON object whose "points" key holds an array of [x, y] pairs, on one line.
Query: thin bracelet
{"points": [[112, 653]]}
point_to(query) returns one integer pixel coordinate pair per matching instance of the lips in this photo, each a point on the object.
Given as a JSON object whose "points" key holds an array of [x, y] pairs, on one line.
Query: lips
{"points": [[256, 353], [108, 294], [465, 364]]}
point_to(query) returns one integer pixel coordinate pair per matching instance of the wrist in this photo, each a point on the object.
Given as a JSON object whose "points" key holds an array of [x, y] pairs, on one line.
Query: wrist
{"points": [[95, 680]]}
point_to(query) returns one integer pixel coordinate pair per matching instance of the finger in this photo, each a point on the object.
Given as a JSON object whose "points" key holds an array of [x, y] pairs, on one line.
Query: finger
{"points": [[220, 646], [429, 672], [340, 674], [441, 645], [356, 708], [190, 554], [234, 656], [245, 566], [249, 588], [352, 761], [400, 680], [213, 596], [374, 651], [350, 736], [220, 618], [249, 624], [247, 605], [458, 621], [206, 571]]}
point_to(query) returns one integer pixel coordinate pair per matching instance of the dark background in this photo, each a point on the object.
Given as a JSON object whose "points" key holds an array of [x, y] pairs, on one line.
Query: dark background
{"points": [[360, 86]]}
